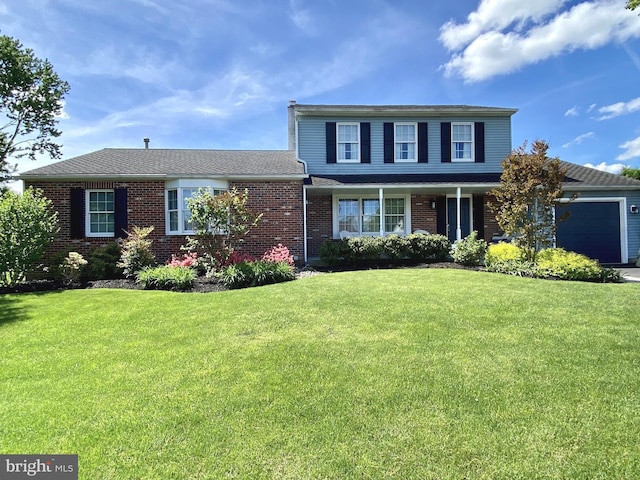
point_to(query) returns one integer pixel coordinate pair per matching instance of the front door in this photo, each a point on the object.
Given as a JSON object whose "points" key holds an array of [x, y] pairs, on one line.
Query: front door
{"points": [[465, 217]]}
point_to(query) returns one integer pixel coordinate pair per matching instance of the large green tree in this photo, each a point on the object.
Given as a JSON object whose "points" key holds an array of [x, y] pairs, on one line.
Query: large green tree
{"points": [[530, 186], [631, 172], [31, 96]]}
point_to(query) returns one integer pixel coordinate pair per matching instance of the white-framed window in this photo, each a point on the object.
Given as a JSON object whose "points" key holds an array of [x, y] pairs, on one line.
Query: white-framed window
{"points": [[348, 142], [100, 213], [362, 216], [405, 139], [177, 192], [462, 142]]}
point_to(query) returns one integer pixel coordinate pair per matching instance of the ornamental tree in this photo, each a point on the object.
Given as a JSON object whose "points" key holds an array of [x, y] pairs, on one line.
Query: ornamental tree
{"points": [[530, 186], [31, 96], [28, 225], [221, 222]]}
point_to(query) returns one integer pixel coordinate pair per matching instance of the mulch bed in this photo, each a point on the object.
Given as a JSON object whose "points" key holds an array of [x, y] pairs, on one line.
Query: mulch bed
{"points": [[201, 284]]}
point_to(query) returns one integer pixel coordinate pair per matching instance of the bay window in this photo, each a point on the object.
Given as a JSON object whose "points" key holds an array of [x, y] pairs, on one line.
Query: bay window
{"points": [[177, 213]]}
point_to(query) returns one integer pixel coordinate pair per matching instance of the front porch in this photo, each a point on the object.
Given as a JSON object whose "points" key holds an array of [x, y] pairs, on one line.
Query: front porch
{"points": [[369, 211]]}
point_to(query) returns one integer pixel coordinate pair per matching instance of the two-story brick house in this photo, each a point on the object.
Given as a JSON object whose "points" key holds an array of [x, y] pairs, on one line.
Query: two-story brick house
{"points": [[349, 170]]}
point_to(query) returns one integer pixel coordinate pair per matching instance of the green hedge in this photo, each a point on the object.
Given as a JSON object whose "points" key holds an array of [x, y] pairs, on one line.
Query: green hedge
{"points": [[392, 248]]}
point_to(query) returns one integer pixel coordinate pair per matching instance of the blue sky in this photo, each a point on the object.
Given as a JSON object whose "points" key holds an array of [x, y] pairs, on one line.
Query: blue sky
{"points": [[220, 73]]}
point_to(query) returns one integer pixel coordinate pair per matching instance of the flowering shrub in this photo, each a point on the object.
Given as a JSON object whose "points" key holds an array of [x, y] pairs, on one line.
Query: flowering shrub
{"points": [[71, 266], [233, 258], [187, 260], [279, 253]]}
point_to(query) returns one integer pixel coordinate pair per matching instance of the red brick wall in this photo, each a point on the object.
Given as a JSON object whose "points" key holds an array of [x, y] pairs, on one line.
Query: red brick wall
{"points": [[282, 219], [319, 222], [423, 217], [491, 226], [281, 203]]}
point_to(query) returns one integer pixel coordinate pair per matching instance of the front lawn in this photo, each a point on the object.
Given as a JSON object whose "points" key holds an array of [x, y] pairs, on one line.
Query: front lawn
{"points": [[409, 373]]}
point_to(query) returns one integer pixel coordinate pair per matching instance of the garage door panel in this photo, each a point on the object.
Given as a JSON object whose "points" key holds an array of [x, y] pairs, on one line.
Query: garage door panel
{"points": [[593, 229]]}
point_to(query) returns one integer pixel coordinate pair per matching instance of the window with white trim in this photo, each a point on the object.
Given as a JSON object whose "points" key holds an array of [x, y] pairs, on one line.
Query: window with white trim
{"points": [[405, 142], [462, 142], [361, 215], [100, 213], [177, 214], [348, 142]]}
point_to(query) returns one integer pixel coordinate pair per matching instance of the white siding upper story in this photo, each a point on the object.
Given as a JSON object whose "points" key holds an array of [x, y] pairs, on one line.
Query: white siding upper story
{"points": [[312, 146]]}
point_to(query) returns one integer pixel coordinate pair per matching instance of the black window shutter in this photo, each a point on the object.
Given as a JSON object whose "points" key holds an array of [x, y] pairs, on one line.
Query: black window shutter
{"points": [[388, 142], [331, 141], [423, 142], [445, 141], [120, 215], [365, 142], [478, 215], [479, 142], [441, 215], [76, 213]]}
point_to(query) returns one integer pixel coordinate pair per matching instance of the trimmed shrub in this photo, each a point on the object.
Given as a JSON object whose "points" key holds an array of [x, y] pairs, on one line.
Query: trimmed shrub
{"points": [[428, 248], [71, 267], [395, 247], [470, 250], [519, 268], [257, 273], [362, 249], [332, 252], [559, 263], [178, 279], [103, 263], [136, 251], [503, 252]]}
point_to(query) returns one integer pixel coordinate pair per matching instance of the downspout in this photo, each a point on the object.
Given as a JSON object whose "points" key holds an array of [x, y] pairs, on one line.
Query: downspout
{"points": [[381, 199], [458, 226]]}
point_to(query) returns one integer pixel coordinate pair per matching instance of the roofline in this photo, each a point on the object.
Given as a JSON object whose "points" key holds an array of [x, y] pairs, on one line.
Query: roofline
{"points": [[579, 188], [381, 110], [122, 176], [359, 186]]}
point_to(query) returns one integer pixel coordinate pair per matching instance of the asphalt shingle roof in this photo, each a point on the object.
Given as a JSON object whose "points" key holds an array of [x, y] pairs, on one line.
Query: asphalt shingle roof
{"points": [[174, 163]]}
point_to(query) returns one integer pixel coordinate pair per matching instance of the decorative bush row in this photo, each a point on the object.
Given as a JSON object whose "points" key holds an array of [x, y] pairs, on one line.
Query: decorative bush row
{"points": [[393, 248], [550, 263]]}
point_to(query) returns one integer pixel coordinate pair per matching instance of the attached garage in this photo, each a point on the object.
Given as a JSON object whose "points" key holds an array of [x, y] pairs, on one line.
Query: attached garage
{"points": [[594, 228]]}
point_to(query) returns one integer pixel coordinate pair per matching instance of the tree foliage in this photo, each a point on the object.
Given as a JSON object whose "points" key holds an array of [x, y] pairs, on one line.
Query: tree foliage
{"points": [[221, 222], [27, 227], [530, 186], [633, 4], [31, 96], [631, 172]]}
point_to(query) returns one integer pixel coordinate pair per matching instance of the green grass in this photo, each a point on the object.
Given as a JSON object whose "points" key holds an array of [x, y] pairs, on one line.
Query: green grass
{"points": [[412, 373]]}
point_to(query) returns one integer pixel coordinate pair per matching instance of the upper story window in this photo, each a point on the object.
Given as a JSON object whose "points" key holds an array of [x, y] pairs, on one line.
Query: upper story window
{"points": [[405, 142], [178, 215], [100, 213], [348, 142], [462, 142]]}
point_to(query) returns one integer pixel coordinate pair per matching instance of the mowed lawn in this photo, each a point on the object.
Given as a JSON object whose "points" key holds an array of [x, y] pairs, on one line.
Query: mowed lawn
{"points": [[409, 373]]}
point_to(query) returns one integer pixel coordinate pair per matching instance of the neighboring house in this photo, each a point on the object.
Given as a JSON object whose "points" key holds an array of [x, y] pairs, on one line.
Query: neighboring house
{"points": [[350, 170]]}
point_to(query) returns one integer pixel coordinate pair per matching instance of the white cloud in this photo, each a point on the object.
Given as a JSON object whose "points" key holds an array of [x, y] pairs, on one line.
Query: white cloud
{"points": [[572, 112], [591, 107], [621, 108], [494, 15], [606, 167], [632, 150], [300, 17], [579, 139], [588, 25]]}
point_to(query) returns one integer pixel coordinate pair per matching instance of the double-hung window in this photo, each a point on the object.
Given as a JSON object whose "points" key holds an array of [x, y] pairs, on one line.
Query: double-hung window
{"points": [[362, 215], [405, 142], [462, 142], [100, 213], [348, 142]]}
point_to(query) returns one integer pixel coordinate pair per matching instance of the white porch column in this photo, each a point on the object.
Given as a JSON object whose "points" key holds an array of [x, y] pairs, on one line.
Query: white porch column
{"points": [[381, 197], [458, 201]]}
